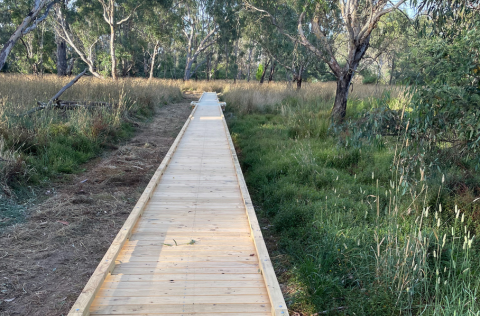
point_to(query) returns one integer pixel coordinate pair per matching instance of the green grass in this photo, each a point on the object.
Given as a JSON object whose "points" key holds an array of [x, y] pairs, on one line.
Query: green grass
{"points": [[347, 224]]}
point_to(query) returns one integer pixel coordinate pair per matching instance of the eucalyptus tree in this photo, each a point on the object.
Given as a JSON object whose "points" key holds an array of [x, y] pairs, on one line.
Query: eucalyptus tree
{"points": [[278, 49], [61, 43], [158, 27], [37, 14], [204, 23], [115, 13], [335, 24], [81, 27], [200, 31]]}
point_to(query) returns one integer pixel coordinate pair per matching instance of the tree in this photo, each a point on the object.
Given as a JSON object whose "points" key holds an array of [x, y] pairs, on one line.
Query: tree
{"points": [[355, 19], [61, 44], [29, 23], [205, 23], [290, 55], [199, 28], [157, 27], [82, 32], [110, 8], [445, 86]]}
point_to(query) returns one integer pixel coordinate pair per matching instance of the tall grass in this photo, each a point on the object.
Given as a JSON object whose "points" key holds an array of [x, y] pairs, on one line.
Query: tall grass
{"points": [[361, 229], [44, 143], [253, 97]]}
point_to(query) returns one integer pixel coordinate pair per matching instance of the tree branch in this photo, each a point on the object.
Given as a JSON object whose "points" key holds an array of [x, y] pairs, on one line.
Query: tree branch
{"points": [[128, 17], [40, 19]]}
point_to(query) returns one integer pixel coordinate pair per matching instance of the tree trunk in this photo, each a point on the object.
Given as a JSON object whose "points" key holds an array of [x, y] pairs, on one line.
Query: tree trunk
{"points": [[299, 78], [23, 29], [340, 105], [112, 51], [215, 68], [175, 65], [7, 48], [264, 72], [61, 44], [71, 64], [61, 57], [155, 49], [393, 70], [240, 72], [344, 79], [87, 55], [272, 72], [299, 83], [40, 51], [249, 62], [209, 64], [145, 64], [235, 77], [188, 68], [226, 61]]}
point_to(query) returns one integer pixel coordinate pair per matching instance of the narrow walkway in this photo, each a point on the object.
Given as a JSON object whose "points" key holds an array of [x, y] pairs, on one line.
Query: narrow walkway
{"points": [[197, 245]]}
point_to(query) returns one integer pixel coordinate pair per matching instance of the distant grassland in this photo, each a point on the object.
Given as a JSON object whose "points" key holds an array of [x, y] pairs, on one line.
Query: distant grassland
{"points": [[248, 97], [48, 142]]}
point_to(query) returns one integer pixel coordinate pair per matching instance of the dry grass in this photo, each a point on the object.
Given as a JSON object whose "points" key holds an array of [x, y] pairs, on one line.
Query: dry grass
{"points": [[52, 141], [21, 92], [249, 97], [246, 97]]}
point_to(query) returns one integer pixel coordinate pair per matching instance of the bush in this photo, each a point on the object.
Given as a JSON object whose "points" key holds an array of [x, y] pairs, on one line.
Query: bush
{"points": [[369, 77]]}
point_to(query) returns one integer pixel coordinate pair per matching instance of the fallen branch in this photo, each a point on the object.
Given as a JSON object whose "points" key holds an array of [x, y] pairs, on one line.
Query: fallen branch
{"points": [[68, 105], [71, 83], [56, 96]]}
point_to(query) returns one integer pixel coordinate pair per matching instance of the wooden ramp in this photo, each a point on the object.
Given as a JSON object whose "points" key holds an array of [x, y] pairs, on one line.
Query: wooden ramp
{"points": [[192, 245]]}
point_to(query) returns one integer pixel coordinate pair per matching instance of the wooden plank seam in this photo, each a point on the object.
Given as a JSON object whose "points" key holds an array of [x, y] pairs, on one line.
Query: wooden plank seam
{"points": [[107, 264], [279, 308]]}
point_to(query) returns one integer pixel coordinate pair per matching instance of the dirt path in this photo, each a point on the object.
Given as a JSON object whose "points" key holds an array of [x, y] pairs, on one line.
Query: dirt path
{"points": [[46, 261]]}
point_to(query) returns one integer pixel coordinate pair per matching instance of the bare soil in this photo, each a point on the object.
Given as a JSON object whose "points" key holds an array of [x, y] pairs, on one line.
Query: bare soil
{"points": [[46, 261]]}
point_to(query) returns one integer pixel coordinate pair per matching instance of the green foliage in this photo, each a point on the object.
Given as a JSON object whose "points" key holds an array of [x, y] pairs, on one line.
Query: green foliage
{"points": [[445, 104], [259, 72], [369, 77]]}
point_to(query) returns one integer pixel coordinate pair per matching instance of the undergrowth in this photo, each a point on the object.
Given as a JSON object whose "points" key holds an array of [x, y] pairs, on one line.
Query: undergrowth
{"points": [[362, 229]]}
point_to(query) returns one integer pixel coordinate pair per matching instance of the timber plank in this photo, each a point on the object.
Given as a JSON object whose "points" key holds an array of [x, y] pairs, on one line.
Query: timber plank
{"points": [[183, 277], [182, 284], [181, 299], [171, 291], [181, 309]]}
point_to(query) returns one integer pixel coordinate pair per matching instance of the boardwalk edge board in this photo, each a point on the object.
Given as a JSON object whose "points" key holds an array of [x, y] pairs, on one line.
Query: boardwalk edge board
{"points": [[279, 308], [107, 264]]}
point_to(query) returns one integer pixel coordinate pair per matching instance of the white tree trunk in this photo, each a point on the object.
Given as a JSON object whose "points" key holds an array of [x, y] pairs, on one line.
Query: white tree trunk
{"points": [[24, 27]]}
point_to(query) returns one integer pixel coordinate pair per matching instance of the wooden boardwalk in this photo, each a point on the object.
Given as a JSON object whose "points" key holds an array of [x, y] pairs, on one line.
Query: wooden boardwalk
{"points": [[192, 245]]}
